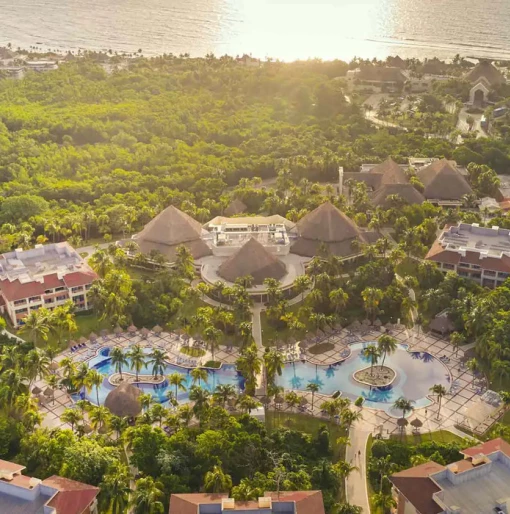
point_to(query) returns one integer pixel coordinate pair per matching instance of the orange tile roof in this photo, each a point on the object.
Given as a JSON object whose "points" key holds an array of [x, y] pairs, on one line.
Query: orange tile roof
{"points": [[73, 497], [489, 447], [11, 467], [80, 278]]}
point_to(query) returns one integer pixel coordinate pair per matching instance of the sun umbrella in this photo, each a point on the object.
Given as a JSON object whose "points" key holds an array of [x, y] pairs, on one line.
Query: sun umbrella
{"points": [[132, 329], [117, 330], [71, 343], [92, 336], [377, 322], [416, 423], [48, 391], [157, 329], [36, 390], [145, 332], [54, 366], [402, 422], [104, 332], [82, 340]]}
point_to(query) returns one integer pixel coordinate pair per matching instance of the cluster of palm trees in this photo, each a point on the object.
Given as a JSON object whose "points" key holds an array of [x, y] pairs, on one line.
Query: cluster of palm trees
{"points": [[138, 360], [386, 345]]}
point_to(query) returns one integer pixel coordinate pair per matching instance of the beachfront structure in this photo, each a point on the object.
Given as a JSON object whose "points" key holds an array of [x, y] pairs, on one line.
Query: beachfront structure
{"points": [[480, 483], [284, 502], [167, 231], [479, 253], [227, 235], [483, 77], [327, 228], [55, 495], [44, 276], [40, 65], [373, 78], [444, 182]]}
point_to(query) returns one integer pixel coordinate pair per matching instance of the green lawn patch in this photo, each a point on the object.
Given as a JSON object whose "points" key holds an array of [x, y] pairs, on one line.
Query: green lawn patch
{"points": [[192, 352], [317, 349], [212, 364], [441, 436], [270, 334], [408, 267]]}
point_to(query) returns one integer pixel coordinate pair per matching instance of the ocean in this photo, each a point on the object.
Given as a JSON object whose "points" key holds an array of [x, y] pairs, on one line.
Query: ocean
{"points": [[280, 29]]}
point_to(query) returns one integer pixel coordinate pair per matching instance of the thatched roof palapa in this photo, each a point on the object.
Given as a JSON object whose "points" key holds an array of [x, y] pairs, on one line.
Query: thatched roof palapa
{"points": [[485, 70], [252, 259], [236, 206], [132, 329], [93, 336], [407, 192], [124, 401], [169, 229], [49, 391], [157, 329], [416, 423], [443, 181]]}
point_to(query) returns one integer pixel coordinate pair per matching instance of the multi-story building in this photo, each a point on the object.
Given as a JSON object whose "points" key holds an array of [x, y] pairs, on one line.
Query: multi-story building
{"points": [[47, 275], [288, 502], [478, 253], [54, 495], [480, 483]]}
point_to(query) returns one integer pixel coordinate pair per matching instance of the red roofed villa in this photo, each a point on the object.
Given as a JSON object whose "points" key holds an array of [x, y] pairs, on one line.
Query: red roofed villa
{"points": [[47, 275]]}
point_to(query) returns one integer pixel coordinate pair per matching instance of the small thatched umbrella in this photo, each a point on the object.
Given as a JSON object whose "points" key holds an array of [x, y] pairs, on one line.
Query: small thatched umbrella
{"points": [[279, 400], [355, 324], [402, 423], [416, 423], [265, 400], [123, 401], [49, 392], [82, 340], [93, 337], [104, 332], [132, 329], [145, 332], [117, 331], [36, 390], [366, 322], [54, 366], [71, 343], [377, 322], [157, 329]]}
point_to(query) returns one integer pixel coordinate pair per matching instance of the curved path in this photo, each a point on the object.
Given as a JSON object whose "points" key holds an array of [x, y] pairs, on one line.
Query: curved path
{"points": [[356, 491]]}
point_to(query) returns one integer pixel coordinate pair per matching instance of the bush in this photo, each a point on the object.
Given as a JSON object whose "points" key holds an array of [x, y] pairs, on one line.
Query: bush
{"points": [[192, 352], [212, 364], [359, 401]]}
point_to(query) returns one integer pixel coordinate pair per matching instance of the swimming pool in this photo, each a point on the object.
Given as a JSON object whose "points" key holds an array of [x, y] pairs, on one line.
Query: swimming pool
{"points": [[416, 373], [227, 374]]}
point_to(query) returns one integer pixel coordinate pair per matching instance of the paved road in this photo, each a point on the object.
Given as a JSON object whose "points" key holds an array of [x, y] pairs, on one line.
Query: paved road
{"points": [[463, 125], [356, 484]]}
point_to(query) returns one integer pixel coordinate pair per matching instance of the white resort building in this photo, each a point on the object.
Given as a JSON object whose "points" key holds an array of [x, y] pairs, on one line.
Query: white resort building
{"points": [[47, 275]]}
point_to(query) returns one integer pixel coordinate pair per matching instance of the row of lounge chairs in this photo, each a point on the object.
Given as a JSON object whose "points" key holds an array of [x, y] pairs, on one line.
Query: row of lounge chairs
{"points": [[76, 347]]}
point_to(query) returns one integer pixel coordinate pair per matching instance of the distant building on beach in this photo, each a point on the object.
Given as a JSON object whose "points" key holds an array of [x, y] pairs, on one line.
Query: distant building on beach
{"points": [[483, 77], [376, 78]]}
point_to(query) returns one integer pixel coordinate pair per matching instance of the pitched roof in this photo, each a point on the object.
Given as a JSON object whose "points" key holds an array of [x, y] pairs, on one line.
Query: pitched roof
{"points": [[407, 192], [169, 229], [80, 278], [488, 447], [443, 181], [381, 74], [73, 497], [391, 172], [236, 206], [188, 503], [307, 502], [442, 324], [11, 467], [485, 69], [372, 180], [123, 400], [15, 290], [327, 224], [418, 488], [255, 260]]}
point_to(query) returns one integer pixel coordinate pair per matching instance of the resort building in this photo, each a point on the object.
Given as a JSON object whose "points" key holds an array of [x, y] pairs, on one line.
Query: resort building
{"points": [[167, 231], [285, 502], [480, 483], [376, 78], [483, 77], [478, 253], [47, 275], [54, 495], [444, 182]]}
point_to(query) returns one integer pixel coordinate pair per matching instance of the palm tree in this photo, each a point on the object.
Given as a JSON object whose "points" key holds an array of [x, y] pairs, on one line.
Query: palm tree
{"points": [[371, 299], [250, 365], [338, 299], [404, 405], [247, 403], [383, 467], [372, 353], [473, 366], [177, 380], [99, 417], [35, 326], [185, 414], [68, 367], [158, 413], [200, 397], [199, 375], [52, 381], [145, 499], [118, 360], [137, 357], [457, 339], [80, 377], [301, 284], [440, 391], [115, 489], [344, 469], [71, 416], [348, 417], [273, 361], [223, 393], [313, 387], [211, 336], [118, 424], [346, 508], [215, 481], [386, 345], [501, 370], [94, 379], [157, 359], [384, 502], [146, 400]]}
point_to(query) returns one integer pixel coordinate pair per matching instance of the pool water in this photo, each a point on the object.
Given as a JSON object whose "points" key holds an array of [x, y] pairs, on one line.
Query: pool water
{"points": [[227, 374], [416, 373]]}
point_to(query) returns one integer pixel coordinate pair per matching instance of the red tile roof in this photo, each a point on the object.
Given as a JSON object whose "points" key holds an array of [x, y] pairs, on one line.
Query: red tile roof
{"points": [[80, 278], [73, 497], [11, 467], [438, 254], [489, 447], [306, 501], [52, 281], [417, 487], [15, 290]]}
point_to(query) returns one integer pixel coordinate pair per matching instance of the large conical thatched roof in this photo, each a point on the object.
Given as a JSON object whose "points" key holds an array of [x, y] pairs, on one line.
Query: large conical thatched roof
{"points": [[443, 181], [485, 69], [123, 401], [252, 259], [169, 229], [236, 207], [327, 225], [407, 192], [391, 172]]}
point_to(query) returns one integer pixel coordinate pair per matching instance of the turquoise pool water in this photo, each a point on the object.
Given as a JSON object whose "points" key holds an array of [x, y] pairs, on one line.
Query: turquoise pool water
{"points": [[227, 374], [416, 373]]}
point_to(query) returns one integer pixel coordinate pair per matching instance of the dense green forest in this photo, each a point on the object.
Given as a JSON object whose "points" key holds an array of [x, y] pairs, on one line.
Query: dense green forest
{"points": [[86, 153]]}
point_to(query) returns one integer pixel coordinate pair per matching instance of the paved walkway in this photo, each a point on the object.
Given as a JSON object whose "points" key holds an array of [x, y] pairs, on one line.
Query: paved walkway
{"points": [[256, 327], [356, 483]]}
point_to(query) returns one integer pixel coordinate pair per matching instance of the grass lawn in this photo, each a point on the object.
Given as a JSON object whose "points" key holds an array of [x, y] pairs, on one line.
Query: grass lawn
{"points": [[193, 352], [441, 436], [141, 273], [317, 349], [309, 425], [408, 267]]}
